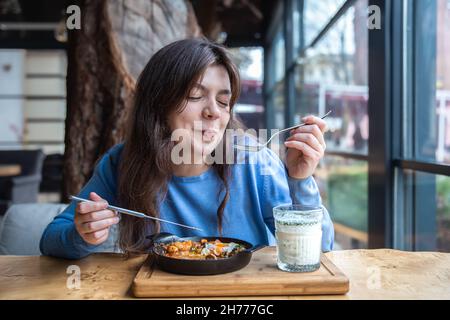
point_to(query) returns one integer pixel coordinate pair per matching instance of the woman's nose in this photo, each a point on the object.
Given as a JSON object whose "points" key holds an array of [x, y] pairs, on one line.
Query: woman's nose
{"points": [[211, 111]]}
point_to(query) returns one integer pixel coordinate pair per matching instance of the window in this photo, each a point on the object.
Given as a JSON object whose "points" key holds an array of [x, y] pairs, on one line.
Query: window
{"points": [[279, 56], [425, 221], [249, 107], [433, 98], [333, 76], [344, 190], [318, 60], [386, 174], [275, 69], [316, 14], [421, 218]]}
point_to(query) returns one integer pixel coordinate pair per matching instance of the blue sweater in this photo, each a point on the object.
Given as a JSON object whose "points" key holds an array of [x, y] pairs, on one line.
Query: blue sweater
{"points": [[255, 188]]}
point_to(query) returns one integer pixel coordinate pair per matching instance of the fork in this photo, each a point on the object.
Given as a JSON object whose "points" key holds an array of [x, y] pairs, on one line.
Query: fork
{"points": [[260, 146]]}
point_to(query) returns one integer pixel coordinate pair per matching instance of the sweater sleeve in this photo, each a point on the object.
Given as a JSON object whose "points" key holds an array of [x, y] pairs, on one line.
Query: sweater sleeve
{"points": [[60, 238], [280, 189]]}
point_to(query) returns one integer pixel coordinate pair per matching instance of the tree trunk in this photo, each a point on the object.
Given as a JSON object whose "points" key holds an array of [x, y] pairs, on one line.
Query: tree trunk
{"points": [[116, 39]]}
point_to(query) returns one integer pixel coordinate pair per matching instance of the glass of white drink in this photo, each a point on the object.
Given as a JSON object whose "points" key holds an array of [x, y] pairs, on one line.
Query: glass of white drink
{"points": [[298, 231]]}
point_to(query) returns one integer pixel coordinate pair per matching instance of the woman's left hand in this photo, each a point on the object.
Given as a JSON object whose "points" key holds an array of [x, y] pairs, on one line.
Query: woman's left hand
{"points": [[306, 146]]}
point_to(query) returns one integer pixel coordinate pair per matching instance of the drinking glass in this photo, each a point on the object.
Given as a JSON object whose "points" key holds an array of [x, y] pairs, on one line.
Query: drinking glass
{"points": [[298, 231]]}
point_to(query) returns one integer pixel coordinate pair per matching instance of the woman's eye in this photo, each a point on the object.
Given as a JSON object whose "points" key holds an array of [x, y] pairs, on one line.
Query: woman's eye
{"points": [[224, 104], [195, 98]]}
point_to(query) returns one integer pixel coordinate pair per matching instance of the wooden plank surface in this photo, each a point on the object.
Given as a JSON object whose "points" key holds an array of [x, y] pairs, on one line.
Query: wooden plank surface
{"points": [[394, 274], [102, 276], [373, 274], [260, 277]]}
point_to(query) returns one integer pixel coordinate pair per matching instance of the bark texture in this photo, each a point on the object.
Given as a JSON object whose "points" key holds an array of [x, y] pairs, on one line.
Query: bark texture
{"points": [[116, 40]]}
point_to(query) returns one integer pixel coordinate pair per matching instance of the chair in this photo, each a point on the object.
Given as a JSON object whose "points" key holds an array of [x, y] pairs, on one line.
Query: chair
{"points": [[52, 173], [23, 188], [22, 226]]}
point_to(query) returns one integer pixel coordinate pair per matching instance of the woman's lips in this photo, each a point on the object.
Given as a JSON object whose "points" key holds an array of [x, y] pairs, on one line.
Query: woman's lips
{"points": [[209, 134]]}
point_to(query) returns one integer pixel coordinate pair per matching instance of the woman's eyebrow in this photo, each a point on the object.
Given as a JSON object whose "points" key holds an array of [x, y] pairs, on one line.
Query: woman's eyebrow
{"points": [[225, 91], [203, 88]]}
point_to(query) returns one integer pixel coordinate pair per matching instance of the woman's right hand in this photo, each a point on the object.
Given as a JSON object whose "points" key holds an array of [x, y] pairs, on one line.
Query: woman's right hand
{"points": [[93, 220]]}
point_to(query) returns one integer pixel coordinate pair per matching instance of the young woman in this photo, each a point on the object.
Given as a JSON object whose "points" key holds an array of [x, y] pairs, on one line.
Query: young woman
{"points": [[190, 85]]}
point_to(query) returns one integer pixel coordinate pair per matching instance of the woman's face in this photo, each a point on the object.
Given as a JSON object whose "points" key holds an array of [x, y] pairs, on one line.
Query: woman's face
{"points": [[207, 111]]}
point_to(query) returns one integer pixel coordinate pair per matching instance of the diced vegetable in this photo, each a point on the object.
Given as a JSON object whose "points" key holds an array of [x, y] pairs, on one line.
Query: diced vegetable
{"points": [[203, 249]]}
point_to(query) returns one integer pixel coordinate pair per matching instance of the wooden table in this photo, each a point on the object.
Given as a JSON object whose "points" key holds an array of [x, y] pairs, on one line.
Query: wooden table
{"points": [[373, 274], [9, 169]]}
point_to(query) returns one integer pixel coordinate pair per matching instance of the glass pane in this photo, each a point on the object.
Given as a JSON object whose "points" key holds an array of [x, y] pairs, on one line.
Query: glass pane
{"points": [[279, 106], [343, 186], [443, 213], [430, 196], [334, 75], [296, 28], [276, 57], [443, 81], [433, 88], [249, 108], [279, 55], [316, 15]]}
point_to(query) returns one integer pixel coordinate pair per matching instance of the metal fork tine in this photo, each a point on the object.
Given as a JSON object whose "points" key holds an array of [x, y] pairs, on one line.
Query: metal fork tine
{"points": [[260, 146]]}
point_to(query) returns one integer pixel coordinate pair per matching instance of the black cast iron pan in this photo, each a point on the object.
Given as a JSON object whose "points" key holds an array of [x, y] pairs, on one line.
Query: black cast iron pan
{"points": [[200, 267]]}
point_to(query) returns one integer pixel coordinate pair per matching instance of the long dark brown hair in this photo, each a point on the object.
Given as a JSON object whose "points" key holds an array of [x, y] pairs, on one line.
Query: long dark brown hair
{"points": [[145, 167]]}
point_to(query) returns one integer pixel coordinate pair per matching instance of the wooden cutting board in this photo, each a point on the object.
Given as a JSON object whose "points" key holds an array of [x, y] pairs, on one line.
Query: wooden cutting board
{"points": [[260, 277]]}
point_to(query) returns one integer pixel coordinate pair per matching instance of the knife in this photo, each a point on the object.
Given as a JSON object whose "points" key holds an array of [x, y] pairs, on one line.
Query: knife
{"points": [[133, 213]]}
